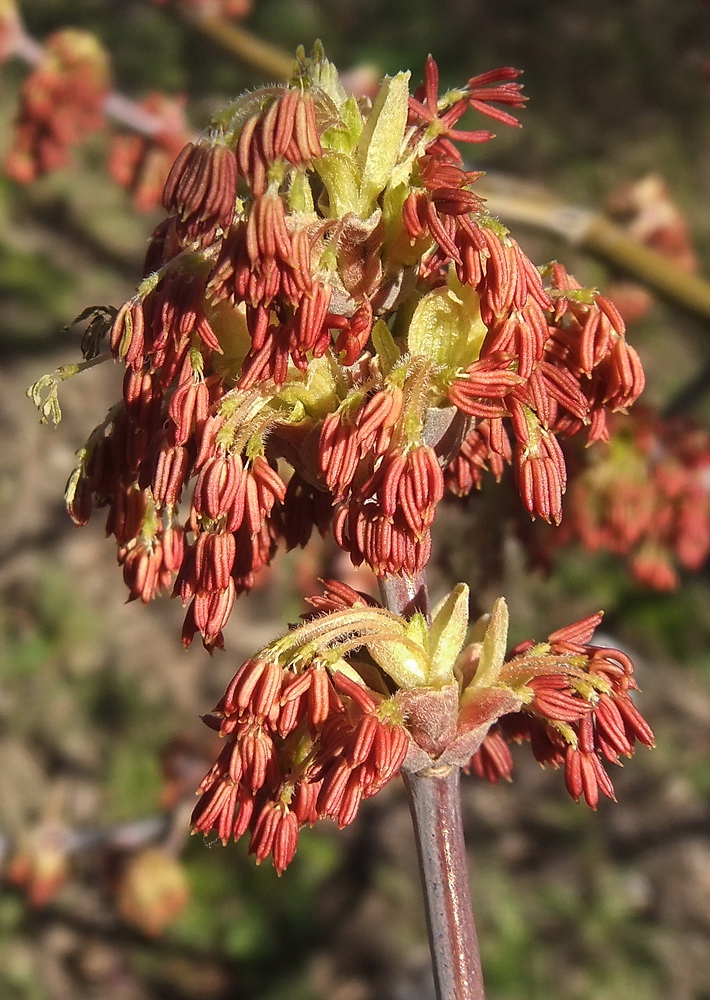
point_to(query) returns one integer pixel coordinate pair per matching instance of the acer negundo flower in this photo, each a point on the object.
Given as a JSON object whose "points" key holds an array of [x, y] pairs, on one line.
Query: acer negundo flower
{"points": [[326, 715], [331, 333], [329, 313]]}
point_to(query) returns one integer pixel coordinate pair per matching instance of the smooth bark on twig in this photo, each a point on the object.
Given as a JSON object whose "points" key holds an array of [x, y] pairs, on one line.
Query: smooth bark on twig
{"points": [[405, 595], [435, 803], [268, 60]]}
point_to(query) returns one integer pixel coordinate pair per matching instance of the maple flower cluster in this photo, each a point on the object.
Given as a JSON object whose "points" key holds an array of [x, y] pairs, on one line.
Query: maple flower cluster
{"points": [[326, 715], [330, 332], [647, 497]]}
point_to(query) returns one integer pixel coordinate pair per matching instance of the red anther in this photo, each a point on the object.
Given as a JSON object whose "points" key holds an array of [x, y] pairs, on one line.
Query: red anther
{"points": [[267, 690], [304, 802], [556, 700], [218, 485], [244, 146], [244, 684], [389, 749], [414, 214], [359, 694], [210, 613], [214, 558], [188, 408], [610, 725], [319, 698], [171, 473], [264, 826], [359, 747], [285, 841], [439, 230], [285, 119], [331, 792], [290, 717], [267, 131], [579, 632], [350, 800], [215, 810], [173, 547], [257, 753], [127, 332], [635, 725]]}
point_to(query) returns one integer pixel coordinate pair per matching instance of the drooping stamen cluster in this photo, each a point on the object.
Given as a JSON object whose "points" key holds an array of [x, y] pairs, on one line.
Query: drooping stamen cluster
{"points": [[329, 305], [646, 497], [60, 102], [587, 371], [305, 739], [386, 491], [577, 711], [137, 464]]}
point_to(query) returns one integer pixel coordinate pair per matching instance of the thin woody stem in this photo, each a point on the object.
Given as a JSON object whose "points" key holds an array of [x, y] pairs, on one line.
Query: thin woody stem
{"points": [[266, 59], [435, 804], [404, 595]]}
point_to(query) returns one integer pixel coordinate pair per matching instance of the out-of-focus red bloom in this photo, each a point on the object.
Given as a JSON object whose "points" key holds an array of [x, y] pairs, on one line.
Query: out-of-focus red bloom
{"points": [[10, 29], [649, 213], [141, 163], [152, 890], [40, 865], [61, 101], [647, 498]]}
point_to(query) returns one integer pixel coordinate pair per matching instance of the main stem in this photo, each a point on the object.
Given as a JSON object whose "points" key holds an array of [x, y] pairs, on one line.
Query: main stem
{"points": [[435, 803]]}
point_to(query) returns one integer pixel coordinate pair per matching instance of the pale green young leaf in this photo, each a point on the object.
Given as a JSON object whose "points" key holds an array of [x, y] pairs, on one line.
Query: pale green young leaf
{"points": [[338, 173], [388, 354], [401, 659], [447, 327], [381, 139], [493, 647], [447, 634], [416, 629]]}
